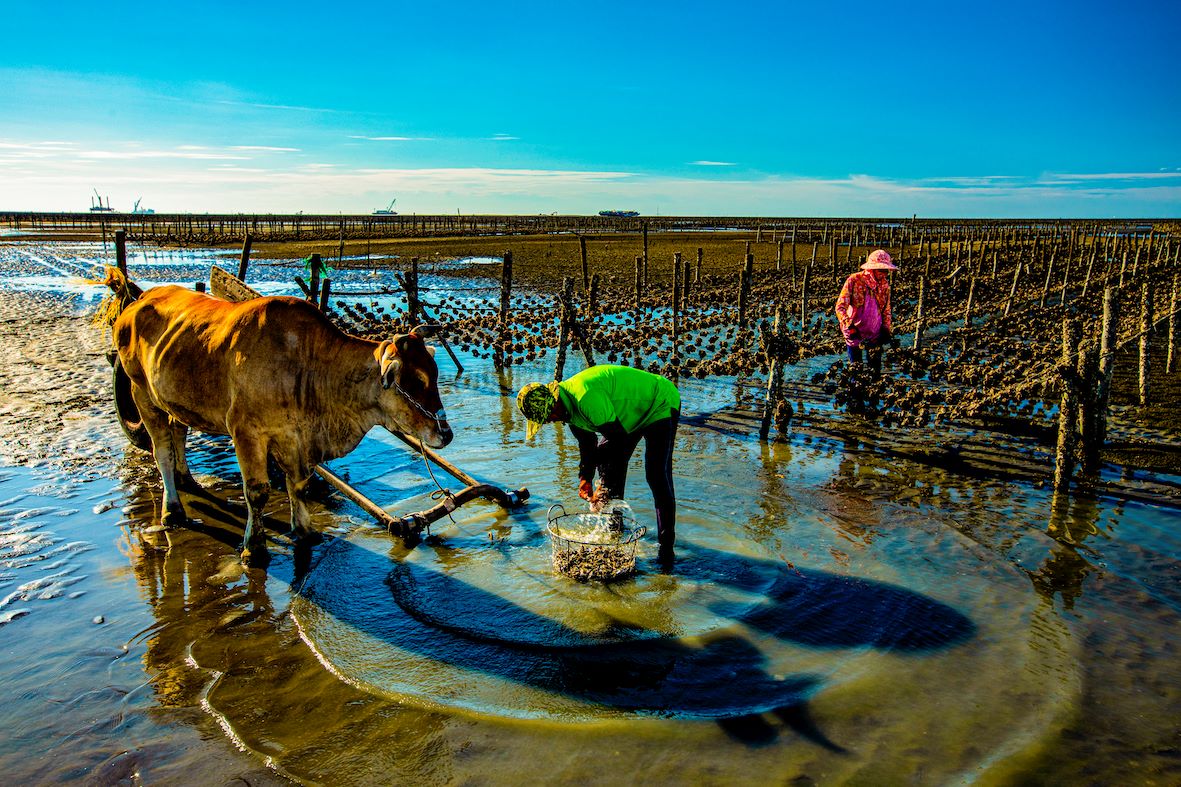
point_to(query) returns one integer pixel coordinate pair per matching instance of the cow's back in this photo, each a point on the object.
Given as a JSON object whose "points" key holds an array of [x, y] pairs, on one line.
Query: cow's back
{"points": [[203, 359]]}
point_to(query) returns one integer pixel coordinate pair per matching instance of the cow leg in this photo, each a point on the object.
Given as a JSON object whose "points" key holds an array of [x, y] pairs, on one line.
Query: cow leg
{"points": [[184, 478], [252, 461], [301, 519], [157, 423]]}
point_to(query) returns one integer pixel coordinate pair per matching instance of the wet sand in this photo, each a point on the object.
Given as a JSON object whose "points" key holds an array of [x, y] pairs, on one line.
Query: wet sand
{"points": [[840, 614]]}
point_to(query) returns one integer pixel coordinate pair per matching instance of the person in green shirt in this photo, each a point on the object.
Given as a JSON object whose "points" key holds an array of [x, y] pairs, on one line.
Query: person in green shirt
{"points": [[624, 405]]}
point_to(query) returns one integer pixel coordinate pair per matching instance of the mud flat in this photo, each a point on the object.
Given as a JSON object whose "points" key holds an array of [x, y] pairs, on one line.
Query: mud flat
{"points": [[849, 604]]}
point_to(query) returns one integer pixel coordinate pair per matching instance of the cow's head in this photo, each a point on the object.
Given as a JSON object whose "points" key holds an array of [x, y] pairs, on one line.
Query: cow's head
{"points": [[410, 396]]}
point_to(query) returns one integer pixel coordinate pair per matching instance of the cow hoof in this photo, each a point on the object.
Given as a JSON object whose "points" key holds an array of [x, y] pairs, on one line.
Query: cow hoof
{"points": [[308, 538], [174, 517], [255, 556], [188, 483]]}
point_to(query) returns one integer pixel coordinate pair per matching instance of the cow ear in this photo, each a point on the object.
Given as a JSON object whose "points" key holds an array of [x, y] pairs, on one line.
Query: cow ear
{"points": [[402, 340], [389, 363]]}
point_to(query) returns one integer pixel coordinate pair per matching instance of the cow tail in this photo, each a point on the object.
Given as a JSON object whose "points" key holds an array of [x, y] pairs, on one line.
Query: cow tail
{"points": [[123, 293]]}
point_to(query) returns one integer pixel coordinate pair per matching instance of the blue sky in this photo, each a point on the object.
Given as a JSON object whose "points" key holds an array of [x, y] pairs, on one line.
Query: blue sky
{"points": [[854, 109]]}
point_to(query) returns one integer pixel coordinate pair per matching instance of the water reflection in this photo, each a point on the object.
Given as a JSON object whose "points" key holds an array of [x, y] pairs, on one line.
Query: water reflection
{"points": [[1064, 571]]}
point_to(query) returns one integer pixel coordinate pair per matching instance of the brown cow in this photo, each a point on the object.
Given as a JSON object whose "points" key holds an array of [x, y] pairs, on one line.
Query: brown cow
{"points": [[277, 377]]}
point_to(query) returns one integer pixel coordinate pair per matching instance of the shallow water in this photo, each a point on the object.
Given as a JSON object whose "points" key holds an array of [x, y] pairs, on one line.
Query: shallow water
{"points": [[834, 615]]}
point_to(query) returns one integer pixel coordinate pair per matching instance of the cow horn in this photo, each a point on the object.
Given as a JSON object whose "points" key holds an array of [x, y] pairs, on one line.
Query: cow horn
{"points": [[424, 331]]}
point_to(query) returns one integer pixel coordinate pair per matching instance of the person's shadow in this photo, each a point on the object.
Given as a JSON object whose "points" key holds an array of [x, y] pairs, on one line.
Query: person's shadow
{"points": [[723, 677], [625, 668]]}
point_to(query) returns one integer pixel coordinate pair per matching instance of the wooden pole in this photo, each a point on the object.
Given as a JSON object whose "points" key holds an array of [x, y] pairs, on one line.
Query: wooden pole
{"points": [[1068, 409], [564, 321], [744, 285], [1174, 319], [1097, 428], [1090, 266], [804, 300], [1013, 289], [1046, 286], [645, 254], [774, 374], [971, 298], [121, 251], [244, 260], [793, 255], [675, 360], [697, 272], [920, 325], [325, 294], [413, 306], [639, 284], [314, 280], [1145, 329], [585, 270], [501, 352]]}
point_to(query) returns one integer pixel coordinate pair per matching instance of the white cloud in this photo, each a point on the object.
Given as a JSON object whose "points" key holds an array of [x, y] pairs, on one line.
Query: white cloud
{"points": [[502, 138], [390, 139], [708, 163], [1092, 176], [161, 154], [268, 148], [40, 176]]}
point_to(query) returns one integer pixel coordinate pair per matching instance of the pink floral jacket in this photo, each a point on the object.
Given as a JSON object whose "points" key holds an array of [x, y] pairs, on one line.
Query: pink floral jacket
{"points": [[863, 309]]}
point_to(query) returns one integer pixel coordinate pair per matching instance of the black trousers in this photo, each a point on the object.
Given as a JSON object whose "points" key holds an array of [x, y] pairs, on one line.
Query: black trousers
{"points": [[658, 440]]}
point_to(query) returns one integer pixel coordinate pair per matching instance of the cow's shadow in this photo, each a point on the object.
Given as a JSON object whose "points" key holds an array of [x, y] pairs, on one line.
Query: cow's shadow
{"points": [[723, 678]]}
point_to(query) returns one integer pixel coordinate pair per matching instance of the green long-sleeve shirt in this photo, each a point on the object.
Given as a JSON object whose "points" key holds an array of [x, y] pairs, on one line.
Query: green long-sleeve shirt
{"points": [[614, 401], [605, 394]]}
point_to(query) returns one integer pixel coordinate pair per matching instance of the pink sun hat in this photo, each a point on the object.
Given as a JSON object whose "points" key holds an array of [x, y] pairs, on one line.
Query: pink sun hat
{"points": [[879, 261]]}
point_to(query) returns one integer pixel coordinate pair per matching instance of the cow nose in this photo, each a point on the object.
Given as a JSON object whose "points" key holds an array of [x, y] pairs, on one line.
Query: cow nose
{"points": [[445, 434]]}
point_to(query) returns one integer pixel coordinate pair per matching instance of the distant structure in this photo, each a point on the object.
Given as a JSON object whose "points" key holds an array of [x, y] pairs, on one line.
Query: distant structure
{"points": [[620, 214], [142, 211], [99, 207], [388, 210]]}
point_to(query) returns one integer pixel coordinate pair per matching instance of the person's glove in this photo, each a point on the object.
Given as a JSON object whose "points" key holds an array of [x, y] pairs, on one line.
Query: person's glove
{"points": [[852, 334], [585, 490]]}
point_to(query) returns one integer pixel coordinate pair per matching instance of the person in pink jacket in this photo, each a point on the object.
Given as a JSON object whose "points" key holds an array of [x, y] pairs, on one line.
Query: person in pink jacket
{"points": [[863, 310]]}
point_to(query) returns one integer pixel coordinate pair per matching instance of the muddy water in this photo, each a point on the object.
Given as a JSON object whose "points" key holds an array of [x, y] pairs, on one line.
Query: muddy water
{"points": [[833, 616]]}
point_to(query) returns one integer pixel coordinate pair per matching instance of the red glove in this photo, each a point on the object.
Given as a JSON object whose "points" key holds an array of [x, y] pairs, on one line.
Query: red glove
{"points": [[585, 490]]}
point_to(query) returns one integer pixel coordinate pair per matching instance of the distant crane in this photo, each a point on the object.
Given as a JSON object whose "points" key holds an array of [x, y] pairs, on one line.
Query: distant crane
{"points": [[388, 210], [142, 211], [100, 206]]}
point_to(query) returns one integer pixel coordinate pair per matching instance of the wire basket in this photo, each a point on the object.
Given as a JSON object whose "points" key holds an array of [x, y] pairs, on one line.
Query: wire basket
{"points": [[589, 546]]}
